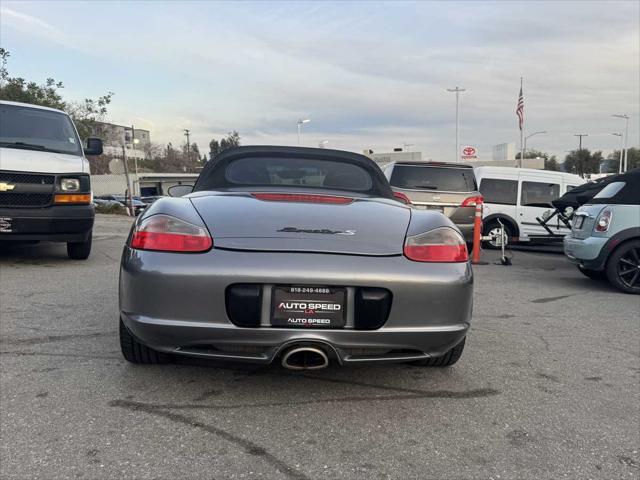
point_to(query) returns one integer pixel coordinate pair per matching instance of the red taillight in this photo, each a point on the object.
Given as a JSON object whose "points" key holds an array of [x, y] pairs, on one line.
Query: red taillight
{"points": [[301, 197], [603, 222], [170, 234], [439, 245], [472, 201], [402, 197]]}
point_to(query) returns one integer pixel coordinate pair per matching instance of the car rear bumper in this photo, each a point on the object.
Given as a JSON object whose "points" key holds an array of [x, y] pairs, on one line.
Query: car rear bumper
{"points": [[63, 223], [586, 251], [176, 303]]}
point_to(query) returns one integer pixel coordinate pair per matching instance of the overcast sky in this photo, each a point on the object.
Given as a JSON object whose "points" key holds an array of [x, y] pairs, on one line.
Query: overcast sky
{"points": [[368, 75]]}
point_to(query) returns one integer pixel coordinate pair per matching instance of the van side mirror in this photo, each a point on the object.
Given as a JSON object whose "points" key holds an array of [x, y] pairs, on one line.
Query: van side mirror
{"points": [[180, 190], [94, 146]]}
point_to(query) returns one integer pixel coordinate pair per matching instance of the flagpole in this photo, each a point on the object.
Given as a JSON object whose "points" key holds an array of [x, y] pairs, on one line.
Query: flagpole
{"points": [[521, 135]]}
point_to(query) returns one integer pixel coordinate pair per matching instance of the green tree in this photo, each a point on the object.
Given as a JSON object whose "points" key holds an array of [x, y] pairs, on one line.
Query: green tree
{"points": [[531, 153], [633, 159], [551, 164], [231, 140], [583, 161], [47, 94]]}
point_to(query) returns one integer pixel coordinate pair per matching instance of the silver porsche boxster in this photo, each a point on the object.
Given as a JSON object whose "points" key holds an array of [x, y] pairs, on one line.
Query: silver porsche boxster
{"points": [[297, 255]]}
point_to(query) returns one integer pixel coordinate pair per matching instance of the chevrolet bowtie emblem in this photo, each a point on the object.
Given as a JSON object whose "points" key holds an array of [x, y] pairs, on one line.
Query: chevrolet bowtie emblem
{"points": [[5, 187]]}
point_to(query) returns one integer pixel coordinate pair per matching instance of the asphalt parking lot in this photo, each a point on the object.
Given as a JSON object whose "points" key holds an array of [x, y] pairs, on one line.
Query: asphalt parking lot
{"points": [[548, 387]]}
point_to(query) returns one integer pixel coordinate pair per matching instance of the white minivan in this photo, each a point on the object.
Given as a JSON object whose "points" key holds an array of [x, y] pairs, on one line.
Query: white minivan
{"points": [[45, 188], [518, 196]]}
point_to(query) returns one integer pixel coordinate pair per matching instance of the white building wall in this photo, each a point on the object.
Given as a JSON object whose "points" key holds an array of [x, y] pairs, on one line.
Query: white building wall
{"points": [[504, 151]]}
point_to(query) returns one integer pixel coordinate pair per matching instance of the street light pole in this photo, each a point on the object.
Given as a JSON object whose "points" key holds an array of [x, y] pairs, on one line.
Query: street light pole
{"points": [[621, 149], [136, 186], [457, 91], [626, 135], [186, 134], [524, 146], [300, 122]]}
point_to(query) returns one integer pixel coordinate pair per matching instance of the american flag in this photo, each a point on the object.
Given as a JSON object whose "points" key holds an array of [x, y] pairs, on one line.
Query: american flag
{"points": [[520, 108]]}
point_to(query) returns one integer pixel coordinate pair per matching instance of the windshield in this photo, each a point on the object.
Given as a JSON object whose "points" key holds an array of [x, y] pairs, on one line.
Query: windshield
{"points": [[36, 129], [298, 172], [447, 179]]}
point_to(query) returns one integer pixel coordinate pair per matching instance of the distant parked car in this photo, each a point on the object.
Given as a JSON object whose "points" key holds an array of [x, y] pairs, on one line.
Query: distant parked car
{"points": [[517, 197], [449, 188], [138, 205], [605, 239], [148, 200], [107, 203]]}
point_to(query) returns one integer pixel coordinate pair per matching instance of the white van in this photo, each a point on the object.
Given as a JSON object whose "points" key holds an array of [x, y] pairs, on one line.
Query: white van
{"points": [[45, 188], [517, 196]]}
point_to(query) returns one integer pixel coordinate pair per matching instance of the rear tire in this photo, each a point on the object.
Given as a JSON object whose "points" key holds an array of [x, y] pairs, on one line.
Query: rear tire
{"points": [[592, 274], [493, 227], [135, 352], [80, 250], [446, 360], [623, 267]]}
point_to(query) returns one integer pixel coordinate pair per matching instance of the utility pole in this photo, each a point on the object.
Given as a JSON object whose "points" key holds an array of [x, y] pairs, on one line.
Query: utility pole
{"points": [[128, 198], [580, 135], [457, 91], [186, 134]]}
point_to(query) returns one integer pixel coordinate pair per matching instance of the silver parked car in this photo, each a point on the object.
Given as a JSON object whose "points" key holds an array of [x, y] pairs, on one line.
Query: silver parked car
{"points": [[298, 255], [605, 239]]}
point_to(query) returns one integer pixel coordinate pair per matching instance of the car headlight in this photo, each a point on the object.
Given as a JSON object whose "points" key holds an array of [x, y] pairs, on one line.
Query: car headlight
{"points": [[70, 185]]}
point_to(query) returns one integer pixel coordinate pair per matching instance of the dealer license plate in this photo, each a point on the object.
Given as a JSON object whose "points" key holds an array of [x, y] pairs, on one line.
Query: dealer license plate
{"points": [[308, 306], [577, 222], [6, 224]]}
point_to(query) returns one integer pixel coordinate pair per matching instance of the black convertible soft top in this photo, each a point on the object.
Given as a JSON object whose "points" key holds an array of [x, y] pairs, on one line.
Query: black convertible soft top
{"points": [[213, 175], [629, 195]]}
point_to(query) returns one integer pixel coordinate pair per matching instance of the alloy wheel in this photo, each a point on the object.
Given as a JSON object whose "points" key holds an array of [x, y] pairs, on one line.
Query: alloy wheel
{"points": [[629, 268]]}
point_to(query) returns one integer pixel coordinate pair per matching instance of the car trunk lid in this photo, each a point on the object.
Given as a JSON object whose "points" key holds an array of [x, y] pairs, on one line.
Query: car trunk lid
{"points": [[362, 226]]}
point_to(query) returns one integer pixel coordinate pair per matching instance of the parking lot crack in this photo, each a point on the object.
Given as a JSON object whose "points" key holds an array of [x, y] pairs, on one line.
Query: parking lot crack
{"points": [[51, 354], [248, 446], [551, 299], [478, 393], [52, 338]]}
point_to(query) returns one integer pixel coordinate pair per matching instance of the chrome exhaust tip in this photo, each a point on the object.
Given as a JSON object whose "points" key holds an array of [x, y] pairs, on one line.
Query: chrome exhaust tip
{"points": [[305, 358]]}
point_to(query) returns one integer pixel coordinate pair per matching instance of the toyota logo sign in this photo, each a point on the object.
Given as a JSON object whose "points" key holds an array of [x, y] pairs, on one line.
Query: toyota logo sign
{"points": [[469, 151]]}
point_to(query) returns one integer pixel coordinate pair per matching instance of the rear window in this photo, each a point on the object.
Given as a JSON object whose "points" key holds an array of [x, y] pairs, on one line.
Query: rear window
{"points": [[610, 190], [447, 179], [305, 172], [502, 192]]}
